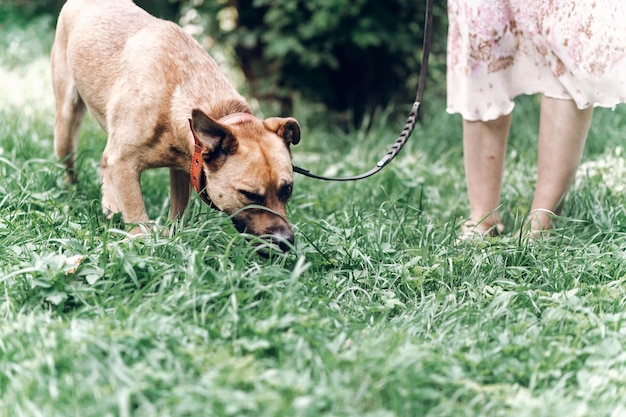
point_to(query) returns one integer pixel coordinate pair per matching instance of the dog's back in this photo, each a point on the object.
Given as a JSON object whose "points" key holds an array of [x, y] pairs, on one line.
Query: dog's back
{"points": [[112, 46]]}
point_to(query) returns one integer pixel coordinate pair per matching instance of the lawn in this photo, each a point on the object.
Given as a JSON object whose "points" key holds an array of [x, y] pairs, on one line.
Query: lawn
{"points": [[377, 311]]}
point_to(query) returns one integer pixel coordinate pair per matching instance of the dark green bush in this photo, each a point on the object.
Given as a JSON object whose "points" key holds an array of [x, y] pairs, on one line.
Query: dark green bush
{"points": [[351, 55], [27, 9]]}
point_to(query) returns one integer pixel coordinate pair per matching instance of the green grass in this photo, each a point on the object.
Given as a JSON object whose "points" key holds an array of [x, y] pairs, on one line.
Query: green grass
{"points": [[377, 312]]}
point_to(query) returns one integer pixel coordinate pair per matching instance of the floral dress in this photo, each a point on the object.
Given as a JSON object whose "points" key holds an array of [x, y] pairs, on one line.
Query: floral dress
{"points": [[565, 49]]}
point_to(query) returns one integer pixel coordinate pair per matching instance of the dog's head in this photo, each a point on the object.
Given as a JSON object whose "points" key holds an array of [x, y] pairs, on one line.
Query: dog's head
{"points": [[247, 171]]}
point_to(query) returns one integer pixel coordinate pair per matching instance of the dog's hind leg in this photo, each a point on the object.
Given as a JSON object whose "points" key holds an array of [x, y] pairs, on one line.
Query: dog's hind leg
{"points": [[70, 110]]}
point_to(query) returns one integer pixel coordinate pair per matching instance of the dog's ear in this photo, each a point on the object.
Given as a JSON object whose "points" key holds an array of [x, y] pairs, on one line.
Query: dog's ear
{"points": [[215, 138], [287, 128]]}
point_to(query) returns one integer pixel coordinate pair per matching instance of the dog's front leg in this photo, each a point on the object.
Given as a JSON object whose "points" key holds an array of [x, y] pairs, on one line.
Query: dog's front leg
{"points": [[121, 190], [179, 192]]}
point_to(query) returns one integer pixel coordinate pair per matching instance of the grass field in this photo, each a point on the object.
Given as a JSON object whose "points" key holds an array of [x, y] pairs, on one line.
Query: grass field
{"points": [[377, 312]]}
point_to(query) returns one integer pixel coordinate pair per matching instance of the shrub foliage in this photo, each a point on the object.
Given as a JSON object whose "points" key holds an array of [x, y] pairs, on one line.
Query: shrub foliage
{"points": [[351, 55]]}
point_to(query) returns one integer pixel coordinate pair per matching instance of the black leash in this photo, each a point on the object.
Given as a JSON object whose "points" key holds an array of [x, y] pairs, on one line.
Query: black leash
{"points": [[411, 120]]}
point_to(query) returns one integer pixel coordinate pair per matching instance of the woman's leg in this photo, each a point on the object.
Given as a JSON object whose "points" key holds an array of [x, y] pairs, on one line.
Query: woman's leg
{"points": [[484, 150], [563, 131]]}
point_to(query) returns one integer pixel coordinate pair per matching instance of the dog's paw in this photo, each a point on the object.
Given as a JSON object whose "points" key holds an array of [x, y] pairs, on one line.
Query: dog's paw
{"points": [[471, 230], [111, 213], [108, 213]]}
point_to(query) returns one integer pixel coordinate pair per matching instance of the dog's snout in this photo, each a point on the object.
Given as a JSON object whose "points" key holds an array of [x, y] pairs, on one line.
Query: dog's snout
{"points": [[283, 239], [273, 229]]}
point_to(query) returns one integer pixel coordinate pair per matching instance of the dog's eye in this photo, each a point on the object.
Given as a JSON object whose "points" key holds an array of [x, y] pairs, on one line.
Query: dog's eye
{"points": [[252, 198], [284, 193]]}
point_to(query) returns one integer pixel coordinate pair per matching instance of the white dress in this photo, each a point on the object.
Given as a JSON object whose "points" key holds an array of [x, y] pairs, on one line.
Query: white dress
{"points": [[566, 49]]}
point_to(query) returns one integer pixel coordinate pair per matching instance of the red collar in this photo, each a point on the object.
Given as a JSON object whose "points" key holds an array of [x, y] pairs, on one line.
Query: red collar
{"points": [[196, 173]]}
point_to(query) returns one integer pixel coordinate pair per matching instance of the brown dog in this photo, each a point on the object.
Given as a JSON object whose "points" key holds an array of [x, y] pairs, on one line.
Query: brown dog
{"points": [[164, 103]]}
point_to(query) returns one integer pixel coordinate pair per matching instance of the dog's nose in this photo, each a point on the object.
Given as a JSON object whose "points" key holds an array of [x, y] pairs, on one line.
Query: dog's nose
{"points": [[281, 235], [283, 239]]}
